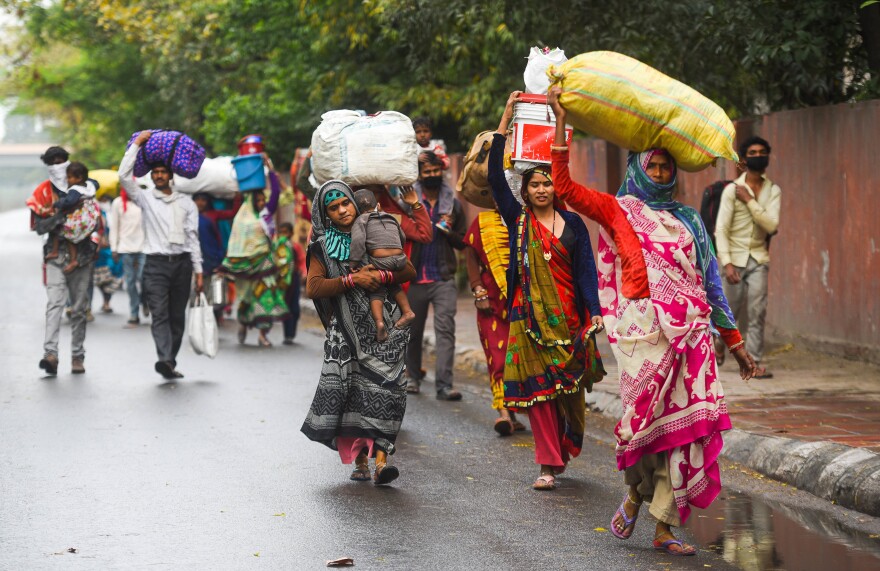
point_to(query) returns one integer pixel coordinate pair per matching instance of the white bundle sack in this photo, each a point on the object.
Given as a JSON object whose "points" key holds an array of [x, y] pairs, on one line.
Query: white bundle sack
{"points": [[203, 328], [372, 149], [535, 75], [216, 177]]}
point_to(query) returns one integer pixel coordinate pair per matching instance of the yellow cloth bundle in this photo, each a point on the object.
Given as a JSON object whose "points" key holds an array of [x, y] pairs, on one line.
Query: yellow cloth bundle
{"points": [[634, 106]]}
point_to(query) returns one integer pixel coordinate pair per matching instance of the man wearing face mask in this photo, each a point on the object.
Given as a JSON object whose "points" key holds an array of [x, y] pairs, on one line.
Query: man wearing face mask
{"points": [[434, 284], [60, 286], [748, 216]]}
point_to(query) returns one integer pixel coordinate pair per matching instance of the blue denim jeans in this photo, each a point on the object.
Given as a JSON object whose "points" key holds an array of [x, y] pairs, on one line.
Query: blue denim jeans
{"points": [[133, 271]]}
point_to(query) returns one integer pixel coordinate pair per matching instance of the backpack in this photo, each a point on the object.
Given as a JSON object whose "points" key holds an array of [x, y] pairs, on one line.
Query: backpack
{"points": [[710, 204], [473, 183]]}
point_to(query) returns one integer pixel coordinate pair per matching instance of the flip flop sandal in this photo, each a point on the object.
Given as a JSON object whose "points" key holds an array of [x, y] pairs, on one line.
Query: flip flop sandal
{"points": [[518, 426], [385, 475], [664, 546], [544, 482], [360, 475], [627, 521], [504, 426]]}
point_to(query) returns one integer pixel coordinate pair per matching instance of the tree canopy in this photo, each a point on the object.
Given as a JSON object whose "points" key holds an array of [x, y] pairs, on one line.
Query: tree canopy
{"points": [[222, 69]]}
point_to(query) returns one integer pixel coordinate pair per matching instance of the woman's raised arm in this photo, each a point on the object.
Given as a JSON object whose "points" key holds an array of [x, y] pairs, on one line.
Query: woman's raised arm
{"points": [[508, 206], [591, 203]]}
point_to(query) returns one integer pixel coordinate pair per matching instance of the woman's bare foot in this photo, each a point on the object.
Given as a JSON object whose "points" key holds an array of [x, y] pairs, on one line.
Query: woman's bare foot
{"points": [[51, 256], [381, 333], [70, 267], [405, 319]]}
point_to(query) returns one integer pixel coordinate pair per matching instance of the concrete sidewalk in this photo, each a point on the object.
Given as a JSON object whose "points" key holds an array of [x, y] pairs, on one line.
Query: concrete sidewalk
{"points": [[815, 425]]}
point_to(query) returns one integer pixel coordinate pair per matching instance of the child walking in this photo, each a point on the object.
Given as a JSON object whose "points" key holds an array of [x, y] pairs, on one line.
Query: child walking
{"points": [[289, 258]]}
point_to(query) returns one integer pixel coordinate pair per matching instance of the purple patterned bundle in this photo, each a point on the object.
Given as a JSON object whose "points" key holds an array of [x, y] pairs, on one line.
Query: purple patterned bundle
{"points": [[171, 148]]}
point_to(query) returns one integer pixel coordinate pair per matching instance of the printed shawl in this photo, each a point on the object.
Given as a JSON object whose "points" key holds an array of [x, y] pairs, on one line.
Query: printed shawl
{"points": [[660, 197], [361, 392], [672, 398], [495, 240]]}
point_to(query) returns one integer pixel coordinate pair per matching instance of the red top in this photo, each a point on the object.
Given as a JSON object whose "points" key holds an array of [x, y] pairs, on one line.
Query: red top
{"points": [[416, 229], [604, 209]]}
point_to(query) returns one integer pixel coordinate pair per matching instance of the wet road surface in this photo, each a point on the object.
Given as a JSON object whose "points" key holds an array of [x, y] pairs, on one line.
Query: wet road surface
{"points": [[213, 473]]}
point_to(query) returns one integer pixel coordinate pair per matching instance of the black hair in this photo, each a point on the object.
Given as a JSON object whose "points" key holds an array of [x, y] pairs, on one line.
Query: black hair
{"points": [[285, 226], [365, 200], [78, 170], [429, 158], [206, 196], [54, 153], [753, 140], [423, 122], [254, 195]]}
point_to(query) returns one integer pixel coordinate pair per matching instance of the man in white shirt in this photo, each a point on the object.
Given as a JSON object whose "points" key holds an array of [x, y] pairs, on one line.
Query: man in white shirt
{"points": [[171, 231], [747, 217], [127, 244]]}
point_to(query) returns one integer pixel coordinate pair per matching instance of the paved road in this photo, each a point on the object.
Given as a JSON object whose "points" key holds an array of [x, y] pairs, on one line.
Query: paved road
{"points": [[213, 473]]}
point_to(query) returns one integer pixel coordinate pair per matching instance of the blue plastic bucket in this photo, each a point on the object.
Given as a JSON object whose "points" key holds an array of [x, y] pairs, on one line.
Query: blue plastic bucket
{"points": [[249, 172]]}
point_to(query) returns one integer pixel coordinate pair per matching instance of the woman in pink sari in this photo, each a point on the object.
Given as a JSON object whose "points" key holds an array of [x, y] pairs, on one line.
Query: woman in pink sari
{"points": [[661, 300]]}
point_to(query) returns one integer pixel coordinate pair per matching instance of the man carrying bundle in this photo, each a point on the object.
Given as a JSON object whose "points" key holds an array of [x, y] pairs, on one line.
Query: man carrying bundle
{"points": [[171, 225]]}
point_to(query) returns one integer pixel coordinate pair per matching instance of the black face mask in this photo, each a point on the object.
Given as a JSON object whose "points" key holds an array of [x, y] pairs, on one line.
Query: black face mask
{"points": [[757, 163], [433, 181]]}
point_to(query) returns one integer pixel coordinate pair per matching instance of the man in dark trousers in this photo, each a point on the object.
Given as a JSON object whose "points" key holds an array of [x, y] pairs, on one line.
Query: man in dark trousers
{"points": [[434, 284], [171, 228]]}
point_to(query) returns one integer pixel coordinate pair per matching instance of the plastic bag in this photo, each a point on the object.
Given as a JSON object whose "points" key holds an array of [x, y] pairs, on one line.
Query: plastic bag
{"points": [[634, 106], [372, 149], [535, 75], [202, 327], [216, 177]]}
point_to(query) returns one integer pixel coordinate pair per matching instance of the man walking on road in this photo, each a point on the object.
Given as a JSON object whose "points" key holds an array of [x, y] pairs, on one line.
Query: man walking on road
{"points": [[434, 284], [171, 225], [61, 286], [127, 242], [747, 217]]}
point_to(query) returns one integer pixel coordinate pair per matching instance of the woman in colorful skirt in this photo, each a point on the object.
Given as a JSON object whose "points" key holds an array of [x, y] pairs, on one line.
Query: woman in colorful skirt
{"points": [[249, 258], [361, 396], [488, 257], [554, 312], [661, 299]]}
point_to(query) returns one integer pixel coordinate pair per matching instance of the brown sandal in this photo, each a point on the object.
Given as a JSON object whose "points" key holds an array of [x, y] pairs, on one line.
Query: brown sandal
{"points": [[385, 474], [504, 426]]}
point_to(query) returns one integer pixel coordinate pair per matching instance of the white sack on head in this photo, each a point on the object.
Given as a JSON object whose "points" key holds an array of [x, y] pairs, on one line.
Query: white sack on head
{"points": [[376, 149], [535, 76], [216, 177]]}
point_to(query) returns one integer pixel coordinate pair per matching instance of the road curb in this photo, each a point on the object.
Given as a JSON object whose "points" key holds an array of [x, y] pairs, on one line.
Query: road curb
{"points": [[847, 476], [841, 474]]}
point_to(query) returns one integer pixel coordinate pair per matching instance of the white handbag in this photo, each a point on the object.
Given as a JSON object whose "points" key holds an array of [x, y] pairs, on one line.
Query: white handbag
{"points": [[202, 327]]}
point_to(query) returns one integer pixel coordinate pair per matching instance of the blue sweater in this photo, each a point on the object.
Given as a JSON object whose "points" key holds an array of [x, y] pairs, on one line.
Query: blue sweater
{"points": [[583, 269]]}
